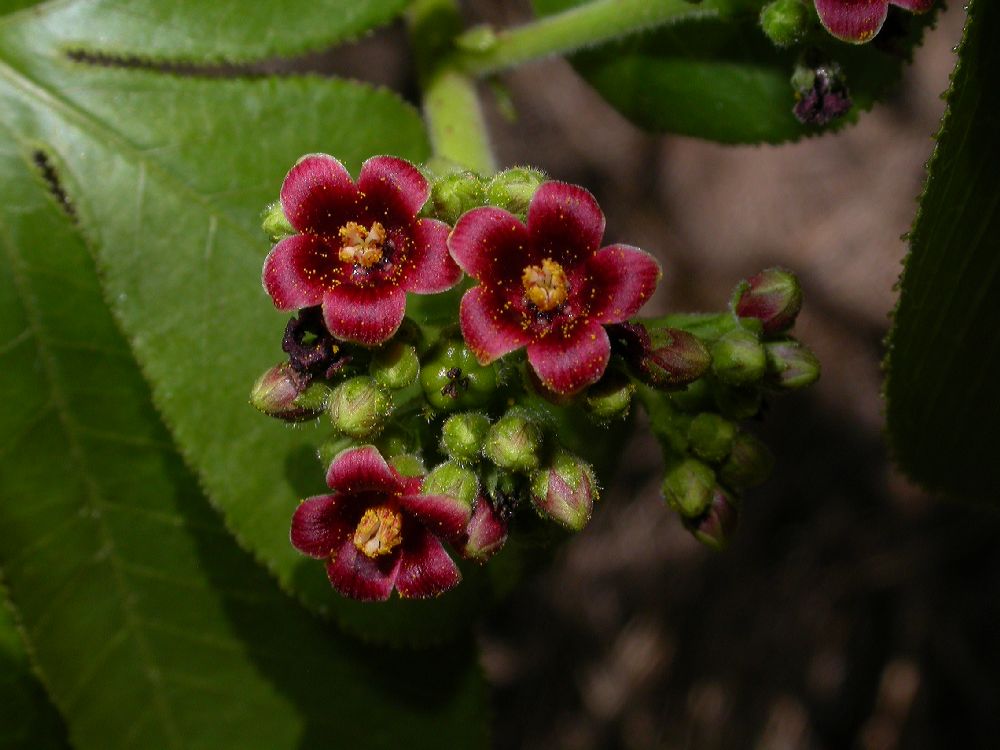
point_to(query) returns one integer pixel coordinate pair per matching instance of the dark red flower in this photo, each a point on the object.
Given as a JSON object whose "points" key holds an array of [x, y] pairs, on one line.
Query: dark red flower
{"points": [[360, 246], [858, 21], [548, 285], [377, 532]]}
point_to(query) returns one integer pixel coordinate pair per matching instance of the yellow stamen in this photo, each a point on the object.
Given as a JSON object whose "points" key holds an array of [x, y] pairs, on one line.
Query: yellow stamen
{"points": [[546, 286], [361, 246], [379, 531]]}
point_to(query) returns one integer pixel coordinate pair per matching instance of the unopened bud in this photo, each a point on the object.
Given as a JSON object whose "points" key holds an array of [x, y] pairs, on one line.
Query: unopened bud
{"points": [[486, 532], [737, 403], [772, 296], [711, 436], [274, 222], [279, 393], [463, 436], [785, 22], [513, 442], [790, 365], [332, 447], [514, 188], [395, 365], [452, 379], [693, 398], [738, 358], [610, 398], [749, 464], [408, 464], [454, 194], [453, 480], [717, 525], [359, 407], [687, 486], [664, 358], [565, 490]]}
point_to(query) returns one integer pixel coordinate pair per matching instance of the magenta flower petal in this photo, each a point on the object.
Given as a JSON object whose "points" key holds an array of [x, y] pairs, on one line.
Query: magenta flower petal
{"points": [[565, 223], [442, 515], [360, 577], [854, 21], [362, 470], [319, 526], [489, 328], [368, 315], [318, 195], [565, 365], [392, 189], [425, 569], [432, 269], [491, 245], [623, 278], [294, 272], [486, 532]]}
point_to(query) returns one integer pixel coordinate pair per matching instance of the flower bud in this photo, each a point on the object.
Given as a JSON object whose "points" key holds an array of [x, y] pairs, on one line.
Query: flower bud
{"points": [[687, 486], [514, 188], [565, 490], [785, 22], [821, 94], [454, 194], [279, 393], [274, 222], [408, 465], [332, 447], [452, 379], [486, 532], [359, 407], [772, 296], [790, 365], [513, 442], [463, 436], [717, 525], [610, 398], [749, 463], [694, 397], [395, 365], [737, 403], [711, 436], [664, 358], [738, 358], [453, 480]]}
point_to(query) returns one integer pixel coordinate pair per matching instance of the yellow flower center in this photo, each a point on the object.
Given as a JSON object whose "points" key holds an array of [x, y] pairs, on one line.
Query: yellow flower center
{"points": [[545, 285], [379, 531], [361, 246]]}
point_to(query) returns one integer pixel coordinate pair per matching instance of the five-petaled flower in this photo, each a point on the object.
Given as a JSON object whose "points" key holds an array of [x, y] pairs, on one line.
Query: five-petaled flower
{"points": [[548, 285], [360, 246], [377, 532], [858, 21]]}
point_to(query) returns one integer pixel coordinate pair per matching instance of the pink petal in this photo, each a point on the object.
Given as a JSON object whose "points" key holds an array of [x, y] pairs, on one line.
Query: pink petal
{"points": [[358, 576], [368, 315], [442, 515], [431, 267], [486, 532], [490, 330], [393, 190], [426, 570], [854, 21], [362, 470], [916, 6], [568, 364], [319, 526], [622, 279], [297, 271], [491, 245], [565, 223], [318, 195]]}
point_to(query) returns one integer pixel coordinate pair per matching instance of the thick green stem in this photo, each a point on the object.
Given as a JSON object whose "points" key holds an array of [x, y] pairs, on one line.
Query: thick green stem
{"points": [[451, 105], [584, 26]]}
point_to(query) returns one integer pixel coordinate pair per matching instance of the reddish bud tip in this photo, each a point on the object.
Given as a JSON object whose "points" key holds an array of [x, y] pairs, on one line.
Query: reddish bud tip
{"points": [[772, 296]]}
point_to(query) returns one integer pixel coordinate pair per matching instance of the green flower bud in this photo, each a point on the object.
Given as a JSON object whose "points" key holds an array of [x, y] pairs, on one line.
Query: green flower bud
{"points": [[738, 358], [610, 398], [463, 436], [693, 398], [716, 526], [408, 464], [395, 365], [772, 296], [453, 380], [359, 407], [749, 464], [453, 480], [514, 188], [790, 365], [274, 222], [513, 442], [785, 22], [332, 447], [688, 486], [737, 403], [565, 490], [711, 436], [278, 394], [454, 194]]}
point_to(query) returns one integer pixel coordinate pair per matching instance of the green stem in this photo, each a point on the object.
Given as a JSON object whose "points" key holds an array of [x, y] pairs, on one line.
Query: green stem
{"points": [[706, 326], [583, 26], [451, 105]]}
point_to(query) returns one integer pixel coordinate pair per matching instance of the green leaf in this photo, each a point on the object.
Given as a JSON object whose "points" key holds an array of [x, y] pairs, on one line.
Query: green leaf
{"points": [[168, 176], [720, 78], [944, 350], [148, 625], [199, 31]]}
